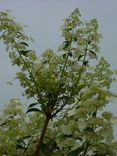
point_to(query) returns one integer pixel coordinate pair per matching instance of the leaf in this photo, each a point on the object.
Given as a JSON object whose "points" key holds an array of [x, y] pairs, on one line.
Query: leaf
{"points": [[32, 105], [24, 43], [33, 110], [92, 54], [46, 61], [24, 52], [18, 32], [4, 123], [19, 147], [79, 57], [77, 151]]}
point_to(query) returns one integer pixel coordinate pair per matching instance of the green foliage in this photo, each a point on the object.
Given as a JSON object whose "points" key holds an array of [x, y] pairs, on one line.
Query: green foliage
{"points": [[18, 131], [69, 96], [76, 151]]}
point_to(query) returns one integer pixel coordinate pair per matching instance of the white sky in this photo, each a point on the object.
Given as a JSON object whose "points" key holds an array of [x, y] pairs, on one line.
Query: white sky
{"points": [[44, 18]]}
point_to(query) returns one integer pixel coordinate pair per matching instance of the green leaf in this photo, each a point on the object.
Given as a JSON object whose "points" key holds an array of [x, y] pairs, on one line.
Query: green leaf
{"points": [[4, 123], [24, 43], [79, 57], [33, 110], [32, 105], [92, 54], [19, 147], [77, 151], [24, 52]]}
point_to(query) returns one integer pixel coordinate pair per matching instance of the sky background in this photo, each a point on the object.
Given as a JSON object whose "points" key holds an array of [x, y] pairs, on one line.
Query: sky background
{"points": [[44, 19]]}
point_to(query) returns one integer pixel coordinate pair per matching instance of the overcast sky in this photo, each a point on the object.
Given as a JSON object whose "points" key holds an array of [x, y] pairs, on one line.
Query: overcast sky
{"points": [[44, 18]]}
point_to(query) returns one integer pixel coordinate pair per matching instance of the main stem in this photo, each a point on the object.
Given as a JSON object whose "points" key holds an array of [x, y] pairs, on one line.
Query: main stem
{"points": [[40, 141]]}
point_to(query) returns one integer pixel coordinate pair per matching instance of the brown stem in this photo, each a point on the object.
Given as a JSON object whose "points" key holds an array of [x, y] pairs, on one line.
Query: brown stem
{"points": [[40, 141]]}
